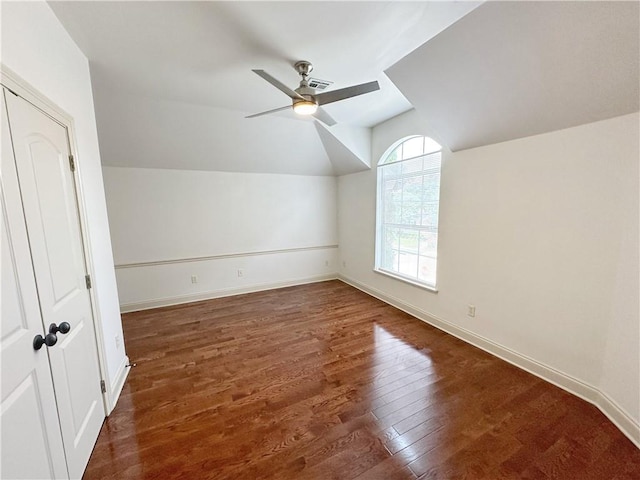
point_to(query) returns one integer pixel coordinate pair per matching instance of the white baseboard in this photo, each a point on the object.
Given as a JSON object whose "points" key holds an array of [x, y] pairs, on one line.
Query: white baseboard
{"points": [[591, 394], [115, 389], [618, 417], [225, 292]]}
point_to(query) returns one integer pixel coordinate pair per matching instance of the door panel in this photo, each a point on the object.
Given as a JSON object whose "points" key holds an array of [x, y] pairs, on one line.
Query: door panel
{"points": [[31, 438], [50, 207], [25, 441], [72, 348], [56, 208]]}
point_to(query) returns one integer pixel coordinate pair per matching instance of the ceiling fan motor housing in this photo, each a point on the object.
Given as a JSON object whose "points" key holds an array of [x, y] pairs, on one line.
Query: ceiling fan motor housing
{"points": [[306, 91]]}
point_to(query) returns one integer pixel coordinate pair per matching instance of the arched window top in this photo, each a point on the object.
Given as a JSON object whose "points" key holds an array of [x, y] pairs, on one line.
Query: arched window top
{"points": [[410, 147]]}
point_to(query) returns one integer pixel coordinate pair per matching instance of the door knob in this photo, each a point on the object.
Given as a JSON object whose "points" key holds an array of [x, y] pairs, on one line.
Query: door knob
{"points": [[49, 340], [63, 328]]}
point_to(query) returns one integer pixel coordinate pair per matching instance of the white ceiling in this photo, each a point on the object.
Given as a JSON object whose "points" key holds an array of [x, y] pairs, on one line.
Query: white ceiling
{"points": [[202, 53], [137, 131], [514, 69], [172, 80]]}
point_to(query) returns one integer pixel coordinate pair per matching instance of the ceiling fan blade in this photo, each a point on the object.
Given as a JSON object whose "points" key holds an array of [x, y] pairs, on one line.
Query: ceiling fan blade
{"points": [[348, 92], [278, 84], [324, 117], [268, 111]]}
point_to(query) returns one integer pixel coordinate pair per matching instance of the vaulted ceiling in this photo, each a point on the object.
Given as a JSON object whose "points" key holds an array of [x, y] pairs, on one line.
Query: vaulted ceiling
{"points": [[515, 69], [172, 81]]}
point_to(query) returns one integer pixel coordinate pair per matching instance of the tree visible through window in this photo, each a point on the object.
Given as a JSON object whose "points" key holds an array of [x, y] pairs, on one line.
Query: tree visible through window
{"points": [[407, 211]]}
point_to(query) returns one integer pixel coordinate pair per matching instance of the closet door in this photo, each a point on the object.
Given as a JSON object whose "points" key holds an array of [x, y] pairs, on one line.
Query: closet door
{"points": [[31, 438], [41, 150]]}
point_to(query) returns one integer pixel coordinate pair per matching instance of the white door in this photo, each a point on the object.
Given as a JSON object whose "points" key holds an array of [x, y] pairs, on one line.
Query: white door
{"points": [[31, 440], [41, 150]]}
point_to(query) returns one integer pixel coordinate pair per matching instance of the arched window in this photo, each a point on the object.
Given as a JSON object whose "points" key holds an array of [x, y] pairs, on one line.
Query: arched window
{"points": [[407, 211]]}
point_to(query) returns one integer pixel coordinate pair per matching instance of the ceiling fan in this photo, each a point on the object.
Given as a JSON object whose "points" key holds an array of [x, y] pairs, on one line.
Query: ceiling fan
{"points": [[305, 100]]}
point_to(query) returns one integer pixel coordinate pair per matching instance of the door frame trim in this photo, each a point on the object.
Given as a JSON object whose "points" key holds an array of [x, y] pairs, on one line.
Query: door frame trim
{"points": [[12, 81]]}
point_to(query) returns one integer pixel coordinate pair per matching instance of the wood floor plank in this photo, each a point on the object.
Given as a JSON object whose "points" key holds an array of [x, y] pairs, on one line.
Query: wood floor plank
{"points": [[323, 382]]}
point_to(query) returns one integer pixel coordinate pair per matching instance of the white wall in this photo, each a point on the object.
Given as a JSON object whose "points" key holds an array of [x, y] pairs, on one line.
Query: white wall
{"points": [[38, 49], [168, 225], [541, 235], [620, 379]]}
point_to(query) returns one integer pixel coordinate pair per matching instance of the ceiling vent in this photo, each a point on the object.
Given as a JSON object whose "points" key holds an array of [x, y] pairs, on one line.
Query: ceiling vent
{"points": [[319, 84]]}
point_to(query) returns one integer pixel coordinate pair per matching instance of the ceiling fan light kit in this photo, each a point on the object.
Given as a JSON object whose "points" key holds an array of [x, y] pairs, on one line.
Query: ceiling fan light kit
{"points": [[306, 100], [305, 107]]}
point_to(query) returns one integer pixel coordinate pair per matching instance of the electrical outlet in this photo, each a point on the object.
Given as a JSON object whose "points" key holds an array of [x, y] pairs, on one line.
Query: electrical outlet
{"points": [[344, 264], [194, 279], [240, 272], [326, 263], [471, 310], [118, 342]]}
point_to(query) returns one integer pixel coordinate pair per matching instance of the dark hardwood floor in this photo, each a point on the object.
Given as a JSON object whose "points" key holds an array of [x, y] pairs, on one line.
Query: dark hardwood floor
{"points": [[325, 382]]}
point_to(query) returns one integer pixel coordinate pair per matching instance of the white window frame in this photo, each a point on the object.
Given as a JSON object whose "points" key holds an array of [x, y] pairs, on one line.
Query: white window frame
{"points": [[413, 280]]}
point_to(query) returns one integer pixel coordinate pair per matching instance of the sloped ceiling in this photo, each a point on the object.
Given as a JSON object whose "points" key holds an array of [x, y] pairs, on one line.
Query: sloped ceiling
{"points": [[138, 131], [514, 69], [344, 159], [172, 80]]}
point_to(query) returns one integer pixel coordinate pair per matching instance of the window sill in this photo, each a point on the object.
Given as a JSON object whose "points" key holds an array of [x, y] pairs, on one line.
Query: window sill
{"points": [[406, 280]]}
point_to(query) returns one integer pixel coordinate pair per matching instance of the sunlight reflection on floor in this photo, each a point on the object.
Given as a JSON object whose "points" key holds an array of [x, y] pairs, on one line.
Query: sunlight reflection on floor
{"points": [[415, 390]]}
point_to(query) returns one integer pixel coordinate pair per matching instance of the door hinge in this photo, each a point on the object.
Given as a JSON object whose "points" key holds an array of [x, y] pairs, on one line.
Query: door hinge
{"points": [[87, 281], [103, 386], [72, 163]]}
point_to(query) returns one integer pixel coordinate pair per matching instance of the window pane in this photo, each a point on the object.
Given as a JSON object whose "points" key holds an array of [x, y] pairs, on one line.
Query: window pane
{"points": [[392, 213], [427, 270], [430, 215], [411, 200], [431, 189], [391, 170], [412, 147], [412, 166], [411, 213], [394, 156], [428, 243], [389, 253], [408, 264], [432, 161], [392, 237], [391, 201], [409, 241], [412, 189]]}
